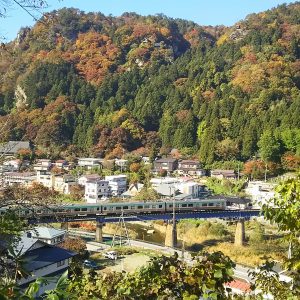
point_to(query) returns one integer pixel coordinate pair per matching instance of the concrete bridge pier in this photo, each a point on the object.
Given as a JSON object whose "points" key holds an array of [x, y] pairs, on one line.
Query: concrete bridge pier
{"points": [[240, 233], [99, 235], [64, 226], [171, 235]]}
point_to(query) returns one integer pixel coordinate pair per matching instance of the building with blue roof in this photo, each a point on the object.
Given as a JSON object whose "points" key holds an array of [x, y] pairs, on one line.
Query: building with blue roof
{"points": [[41, 260]]}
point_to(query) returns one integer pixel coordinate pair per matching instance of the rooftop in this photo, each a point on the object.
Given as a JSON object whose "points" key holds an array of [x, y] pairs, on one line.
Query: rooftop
{"points": [[14, 146], [189, 161], [45, 256], [167, 159], [21, 174], [46, 232]]}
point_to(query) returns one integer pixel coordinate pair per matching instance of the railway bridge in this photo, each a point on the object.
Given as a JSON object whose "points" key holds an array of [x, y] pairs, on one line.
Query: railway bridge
{"points": [[237, 215]]}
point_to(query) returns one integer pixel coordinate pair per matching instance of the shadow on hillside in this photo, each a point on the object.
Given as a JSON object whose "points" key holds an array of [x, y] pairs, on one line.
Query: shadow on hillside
{"points": [[200, 246]]}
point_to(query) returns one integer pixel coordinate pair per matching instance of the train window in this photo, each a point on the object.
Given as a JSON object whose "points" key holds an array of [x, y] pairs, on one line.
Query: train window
{"points": [[84, 209], [190, 205], [204, 204], [160, 206], [183, 205], [146, 206], [125, 207], [118, 207], [98, 208], [210, 204], [170, 205], [140, 207], [104, 208], [77, 209]]}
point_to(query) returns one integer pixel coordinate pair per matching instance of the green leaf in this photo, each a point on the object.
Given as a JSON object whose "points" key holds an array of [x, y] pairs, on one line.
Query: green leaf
{"points": [[218, 274]]}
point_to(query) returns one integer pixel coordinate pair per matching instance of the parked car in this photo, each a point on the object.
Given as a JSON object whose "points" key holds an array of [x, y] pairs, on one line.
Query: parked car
{"points": [[89, 264], [111, 255]]}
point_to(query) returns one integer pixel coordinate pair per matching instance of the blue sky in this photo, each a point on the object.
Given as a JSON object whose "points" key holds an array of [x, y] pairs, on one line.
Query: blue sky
{"points": [[203, 12]]}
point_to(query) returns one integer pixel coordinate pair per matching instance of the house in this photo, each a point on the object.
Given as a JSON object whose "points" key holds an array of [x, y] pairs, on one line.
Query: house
{"points": [[90, 163], [12, 147], [42, 165], [58, 182], [42, 260], [223, 174], [45, 178], [121, 163], [62, 164], [133, 190], [5, 169], [260, 192], [117, 184], [146, 160], [84, 178], [165, 164], [166, 187], [96, 190], [190, 167], [19, 178], [14, 164], [48, 235], [63, 183], [185, 187], [191, 188]]}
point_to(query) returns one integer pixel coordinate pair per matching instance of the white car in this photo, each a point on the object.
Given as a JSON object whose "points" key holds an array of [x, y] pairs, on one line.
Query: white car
{"points": [[111, 255]]}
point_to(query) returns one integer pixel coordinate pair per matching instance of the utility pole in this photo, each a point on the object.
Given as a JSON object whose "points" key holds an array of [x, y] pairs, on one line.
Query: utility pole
{"points": [[121, 225], [266, 169]]}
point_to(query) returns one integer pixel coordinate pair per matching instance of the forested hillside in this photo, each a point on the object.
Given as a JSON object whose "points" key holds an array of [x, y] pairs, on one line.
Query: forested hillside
{"points": [[98, 85]]}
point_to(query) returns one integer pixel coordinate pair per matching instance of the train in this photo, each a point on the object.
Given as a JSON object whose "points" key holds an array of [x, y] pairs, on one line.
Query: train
{"points": [[113, 209]]}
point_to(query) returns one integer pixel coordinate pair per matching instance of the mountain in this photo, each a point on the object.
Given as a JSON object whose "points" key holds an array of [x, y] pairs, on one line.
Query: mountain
{"points": [[98, 85]]}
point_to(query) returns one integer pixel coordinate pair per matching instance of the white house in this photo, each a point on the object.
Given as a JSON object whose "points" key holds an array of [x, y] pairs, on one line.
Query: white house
{"points": [[260, 191], [121, 163], [63, 183], [146, 160], [171, 186], [190, 188], [62, 164], [89, 163], [14, 164], [19, 178], [48, 235], [190, 167], [84, 178], [117, 184], [96, 190], [45, 178], [42, 165], [58, 182], [42, 260]]}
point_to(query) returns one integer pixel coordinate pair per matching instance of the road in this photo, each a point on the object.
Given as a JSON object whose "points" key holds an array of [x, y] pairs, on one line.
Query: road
{"points": [[240, 272]]}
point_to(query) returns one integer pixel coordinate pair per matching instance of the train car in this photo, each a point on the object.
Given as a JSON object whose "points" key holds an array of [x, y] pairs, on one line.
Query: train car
{"points": [[132, 207], [196, 205]]}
